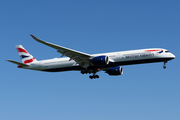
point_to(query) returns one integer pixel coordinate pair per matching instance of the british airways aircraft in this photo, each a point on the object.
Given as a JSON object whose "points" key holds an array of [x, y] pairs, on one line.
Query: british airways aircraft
{"points": [[85, 63]]}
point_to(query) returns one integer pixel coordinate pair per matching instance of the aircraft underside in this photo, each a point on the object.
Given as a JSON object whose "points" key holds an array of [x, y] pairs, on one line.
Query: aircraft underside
{"points": [[95, 69]]}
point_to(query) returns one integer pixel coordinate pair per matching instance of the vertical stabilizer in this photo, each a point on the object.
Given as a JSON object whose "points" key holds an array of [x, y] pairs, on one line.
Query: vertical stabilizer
{"points": [[24, 55]]}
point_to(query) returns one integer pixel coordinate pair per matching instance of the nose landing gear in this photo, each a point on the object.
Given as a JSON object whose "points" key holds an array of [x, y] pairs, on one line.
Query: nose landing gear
{"points": [[164, 66]]}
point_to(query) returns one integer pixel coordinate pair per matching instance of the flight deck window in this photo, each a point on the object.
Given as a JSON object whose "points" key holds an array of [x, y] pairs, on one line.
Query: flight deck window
{"points": [[166, 51]]}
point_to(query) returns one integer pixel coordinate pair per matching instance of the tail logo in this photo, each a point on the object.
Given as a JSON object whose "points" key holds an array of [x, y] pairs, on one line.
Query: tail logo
{"points": [[24, 55], [21, 50], [29, 61]]}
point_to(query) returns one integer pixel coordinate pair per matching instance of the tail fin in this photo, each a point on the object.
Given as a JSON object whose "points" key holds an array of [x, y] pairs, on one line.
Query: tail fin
{"points": [[24, 55]]}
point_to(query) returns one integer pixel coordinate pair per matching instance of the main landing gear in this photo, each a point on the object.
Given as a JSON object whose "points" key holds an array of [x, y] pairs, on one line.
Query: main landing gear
{"points": [[85, 71], [94, 76], [164, 66]]}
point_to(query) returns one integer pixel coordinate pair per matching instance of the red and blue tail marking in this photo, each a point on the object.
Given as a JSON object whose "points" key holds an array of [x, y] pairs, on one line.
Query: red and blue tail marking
{"points": [[24, 55]]}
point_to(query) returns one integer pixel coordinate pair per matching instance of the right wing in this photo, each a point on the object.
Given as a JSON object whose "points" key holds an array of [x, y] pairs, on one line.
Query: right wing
{"points": [[81, 58]]}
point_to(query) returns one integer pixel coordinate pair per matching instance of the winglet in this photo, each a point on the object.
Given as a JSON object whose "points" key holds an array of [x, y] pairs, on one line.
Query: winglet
{"points": [[44, 42], [33, 36]]}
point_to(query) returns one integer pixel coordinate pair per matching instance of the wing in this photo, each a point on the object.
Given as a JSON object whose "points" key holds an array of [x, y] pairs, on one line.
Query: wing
{"points": [[81, 58], [18, 63]]}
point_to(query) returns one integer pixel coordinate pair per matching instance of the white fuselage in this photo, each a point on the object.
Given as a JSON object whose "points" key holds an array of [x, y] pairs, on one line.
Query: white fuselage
{"points": [[116, 59]]}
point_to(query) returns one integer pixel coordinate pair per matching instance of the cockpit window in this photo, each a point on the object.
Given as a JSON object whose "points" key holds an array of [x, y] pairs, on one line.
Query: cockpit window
{"points": [[166, 51]]}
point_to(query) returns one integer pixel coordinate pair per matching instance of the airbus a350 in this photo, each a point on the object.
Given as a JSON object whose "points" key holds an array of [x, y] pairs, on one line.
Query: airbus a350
{"points": [[91, 63]]}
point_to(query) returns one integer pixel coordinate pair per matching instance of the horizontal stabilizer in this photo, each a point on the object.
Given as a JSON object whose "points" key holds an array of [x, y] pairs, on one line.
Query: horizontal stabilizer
{"points": [[18, 63]]}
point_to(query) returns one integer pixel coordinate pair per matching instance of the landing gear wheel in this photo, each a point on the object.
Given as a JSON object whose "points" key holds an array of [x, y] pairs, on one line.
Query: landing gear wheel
{"points": [[93, 76], [164, 67], [96, 76], [84, 71]]}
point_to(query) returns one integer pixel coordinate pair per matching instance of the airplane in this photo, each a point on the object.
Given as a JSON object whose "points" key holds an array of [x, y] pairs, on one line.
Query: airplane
{"points": [[91, 63]]}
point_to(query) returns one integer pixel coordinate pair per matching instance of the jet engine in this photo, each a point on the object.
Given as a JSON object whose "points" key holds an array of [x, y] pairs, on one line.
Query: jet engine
{"points": [[100, 60], [115, 71]]}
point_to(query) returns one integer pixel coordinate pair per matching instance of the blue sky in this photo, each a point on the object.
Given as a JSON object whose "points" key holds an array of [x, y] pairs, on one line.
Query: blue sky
{"points": [[143, 92]]}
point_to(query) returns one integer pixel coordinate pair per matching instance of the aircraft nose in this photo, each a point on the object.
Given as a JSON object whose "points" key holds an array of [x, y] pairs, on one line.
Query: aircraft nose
{"points": [[173, 56]]}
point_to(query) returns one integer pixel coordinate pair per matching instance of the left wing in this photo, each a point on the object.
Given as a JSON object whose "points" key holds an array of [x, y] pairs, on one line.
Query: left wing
{"points": [[81, 58]]}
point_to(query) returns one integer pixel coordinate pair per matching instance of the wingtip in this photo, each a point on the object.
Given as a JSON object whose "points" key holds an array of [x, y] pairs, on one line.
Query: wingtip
{"points": [[32, 36]]}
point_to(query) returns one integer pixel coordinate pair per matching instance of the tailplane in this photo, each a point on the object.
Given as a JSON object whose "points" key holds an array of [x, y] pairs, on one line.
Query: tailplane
{"points": [[20, 65], [24, 55]]}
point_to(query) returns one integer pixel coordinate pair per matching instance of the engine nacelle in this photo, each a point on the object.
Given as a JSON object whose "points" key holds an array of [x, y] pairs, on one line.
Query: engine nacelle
{"points": [[115, 71], [100, 60]]}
